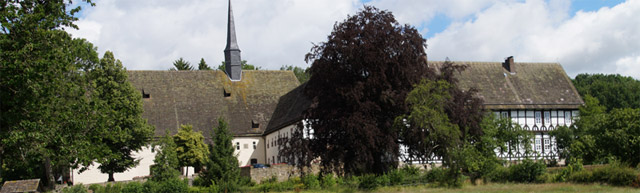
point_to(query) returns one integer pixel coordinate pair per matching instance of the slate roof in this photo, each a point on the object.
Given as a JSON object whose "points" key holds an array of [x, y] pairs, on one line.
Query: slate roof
{"points": [[290, 109], [532, 86], [198, 98]]}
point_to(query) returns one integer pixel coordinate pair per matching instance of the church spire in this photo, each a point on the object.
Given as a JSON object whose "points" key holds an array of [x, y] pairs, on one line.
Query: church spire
{"points": [[232, 58]]}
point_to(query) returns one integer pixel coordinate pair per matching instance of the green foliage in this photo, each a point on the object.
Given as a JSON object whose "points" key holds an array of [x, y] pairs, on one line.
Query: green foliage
{"points": [[310, 182], [203, 65], [222, 167], [166, 163], [181, 64], [499, 174], [370, 182], [328, 181], [302, 75], [75, 189], [527, 171], [244, 66], [45, 114], [613, 174], [573, 167], [613, 91], [171, 185], [133, 187], [191, 149], [123, 130]]}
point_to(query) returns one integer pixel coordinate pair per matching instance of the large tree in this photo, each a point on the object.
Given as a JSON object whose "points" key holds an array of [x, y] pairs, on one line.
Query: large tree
{"points": [[360, 78], [222, 167], [612, 90], [120, 123], [244, 65], [191, 149], [45, 116]]}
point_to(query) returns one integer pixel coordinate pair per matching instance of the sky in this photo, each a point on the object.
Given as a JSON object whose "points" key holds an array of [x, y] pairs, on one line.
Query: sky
{"points": [[584, 36]]}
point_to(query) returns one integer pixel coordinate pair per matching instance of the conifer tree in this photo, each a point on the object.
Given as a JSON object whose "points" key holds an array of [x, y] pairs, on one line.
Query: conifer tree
{"points": [[203, 65], [166, 161], [222, 167]]}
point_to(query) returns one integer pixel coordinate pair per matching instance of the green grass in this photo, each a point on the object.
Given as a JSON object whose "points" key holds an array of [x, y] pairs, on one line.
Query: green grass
{"points": [[468, 188]]}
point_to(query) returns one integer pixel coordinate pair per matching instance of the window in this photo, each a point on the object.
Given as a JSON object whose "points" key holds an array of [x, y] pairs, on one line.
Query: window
{"points": [[538, 117], [547, 145], [226, 94], [538, 145], [504, 114], [547, 118], [255, 124], [145, 95], [567, 117], [237, 145], [254, 145]]}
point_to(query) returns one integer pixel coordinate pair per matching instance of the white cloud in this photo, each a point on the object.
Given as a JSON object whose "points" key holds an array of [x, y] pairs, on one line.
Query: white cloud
{"points": [[152, 34], [602, 41], [272, 33]]}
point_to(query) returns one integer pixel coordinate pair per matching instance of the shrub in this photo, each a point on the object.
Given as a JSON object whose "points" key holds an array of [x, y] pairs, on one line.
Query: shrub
{"points": [[581, 177], [565, 173], [527, 171], [499, 174], [133, 187], [328, 181], [75, 189], [351, 182], [310, 182], [435, 175], [409, 170], [396, 177], [369, 182], [173, 185]]}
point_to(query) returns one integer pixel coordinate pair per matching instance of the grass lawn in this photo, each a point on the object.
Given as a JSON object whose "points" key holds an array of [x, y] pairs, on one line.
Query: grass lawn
{"points": [[556, 187]]}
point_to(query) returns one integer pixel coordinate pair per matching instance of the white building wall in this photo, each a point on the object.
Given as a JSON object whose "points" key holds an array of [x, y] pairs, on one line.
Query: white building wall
{"points": [[273, 147], [93, 175], [247, 148]]}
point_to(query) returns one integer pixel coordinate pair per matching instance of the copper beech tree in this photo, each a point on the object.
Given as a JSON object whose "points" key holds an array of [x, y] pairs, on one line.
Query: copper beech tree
{"points": [[359, 81]]}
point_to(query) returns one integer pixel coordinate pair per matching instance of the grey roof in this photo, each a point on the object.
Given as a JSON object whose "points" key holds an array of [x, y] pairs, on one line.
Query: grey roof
{"points": [[532, 86], [290, 109], [32, 185], [198, 98]]}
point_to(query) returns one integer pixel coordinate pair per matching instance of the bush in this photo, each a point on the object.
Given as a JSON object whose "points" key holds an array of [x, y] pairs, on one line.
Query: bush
{"points": [[396, 177], [133, 187], [351, 182], [614, 174], [328, 181], [409, 170], [527, 171], [310, 182], [499, 174], [581, 177], [75, 189], [435, 175], [173, 185], [565, 173], [369, 182]]}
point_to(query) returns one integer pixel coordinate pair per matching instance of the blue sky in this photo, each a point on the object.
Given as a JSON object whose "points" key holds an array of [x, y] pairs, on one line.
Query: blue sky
{"points": [[584, 36]]}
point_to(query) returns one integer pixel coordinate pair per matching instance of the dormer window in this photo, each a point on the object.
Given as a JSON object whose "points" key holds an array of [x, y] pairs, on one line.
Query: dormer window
{"points": [[255, 124], [145, 95]]}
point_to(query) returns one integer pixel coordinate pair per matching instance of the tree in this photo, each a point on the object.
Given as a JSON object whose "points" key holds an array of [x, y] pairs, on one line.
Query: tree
{"points": [[244, 66], [222, 168], [119, 104], [45, 116], [445, 122], [191, 149], [613, 91], [359, 80], [166, 161], [301, 74], [203, 65], [181, 64]]}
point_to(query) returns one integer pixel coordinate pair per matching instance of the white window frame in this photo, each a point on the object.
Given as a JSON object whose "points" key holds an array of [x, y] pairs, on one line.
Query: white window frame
{"points": [[538, 117], [567, 118], [547, 118]]}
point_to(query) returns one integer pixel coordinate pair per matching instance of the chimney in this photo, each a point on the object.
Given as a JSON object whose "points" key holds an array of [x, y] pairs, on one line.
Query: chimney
{"points": [[232, 59], [509, 65]]}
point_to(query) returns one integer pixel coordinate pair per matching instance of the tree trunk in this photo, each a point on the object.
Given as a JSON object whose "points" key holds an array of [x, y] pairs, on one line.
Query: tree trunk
{"points": [[50, 183], [187, 172], [111, 179]]}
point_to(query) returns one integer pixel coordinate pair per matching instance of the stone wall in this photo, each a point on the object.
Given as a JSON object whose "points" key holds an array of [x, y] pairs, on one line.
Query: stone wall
{"points": [[281, 171]]}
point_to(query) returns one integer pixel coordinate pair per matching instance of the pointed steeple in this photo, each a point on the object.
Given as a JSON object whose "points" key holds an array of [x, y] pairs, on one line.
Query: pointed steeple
{"points": [[232, 58]]}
